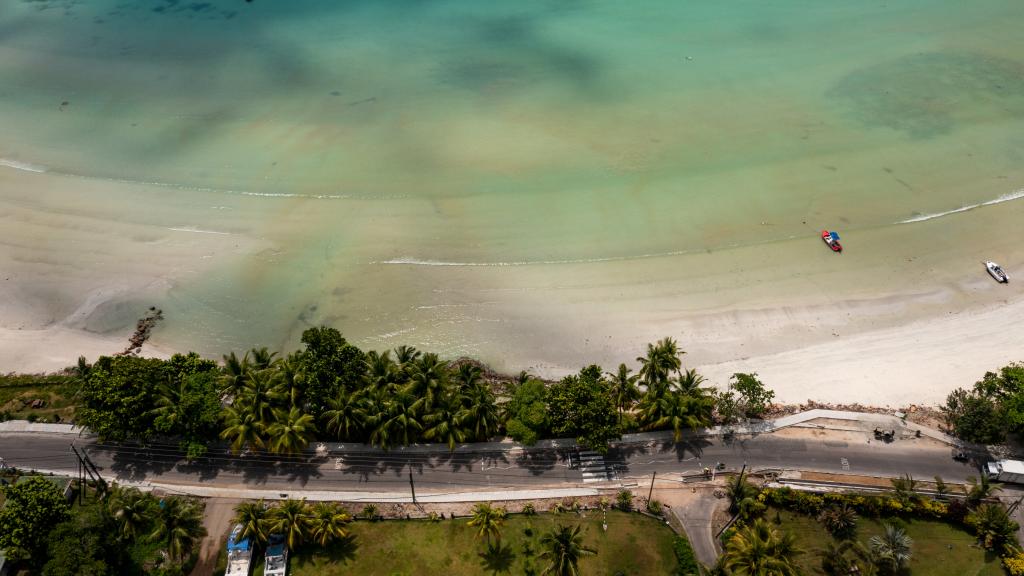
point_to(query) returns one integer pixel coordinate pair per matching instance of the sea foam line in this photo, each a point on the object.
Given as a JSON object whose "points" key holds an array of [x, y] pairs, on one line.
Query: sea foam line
{"points": [[1004, 198], [199, 231], [24, 166], [36, 168]]}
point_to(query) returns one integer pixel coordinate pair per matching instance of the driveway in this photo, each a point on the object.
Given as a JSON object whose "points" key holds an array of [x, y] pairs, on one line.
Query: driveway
{"points": [[217, 521]]}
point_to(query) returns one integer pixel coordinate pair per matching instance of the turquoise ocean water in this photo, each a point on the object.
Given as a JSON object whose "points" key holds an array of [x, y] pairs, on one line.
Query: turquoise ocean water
{"points": [[355, 135]]}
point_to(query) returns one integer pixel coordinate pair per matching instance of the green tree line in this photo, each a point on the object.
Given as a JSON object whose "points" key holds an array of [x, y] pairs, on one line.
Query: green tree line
{"points": [[330, 390]]}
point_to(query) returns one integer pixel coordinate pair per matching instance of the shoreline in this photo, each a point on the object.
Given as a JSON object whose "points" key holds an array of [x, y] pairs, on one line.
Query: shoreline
{"points": [[904, 316]]}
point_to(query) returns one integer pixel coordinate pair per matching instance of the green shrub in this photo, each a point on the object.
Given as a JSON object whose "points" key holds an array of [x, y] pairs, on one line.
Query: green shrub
{"points": [[624, 500], [654, 507], [687, 561]]}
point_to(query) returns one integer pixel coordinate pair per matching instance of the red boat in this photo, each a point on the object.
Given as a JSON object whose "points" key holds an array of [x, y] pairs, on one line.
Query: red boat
{"points": [[832, 239]]}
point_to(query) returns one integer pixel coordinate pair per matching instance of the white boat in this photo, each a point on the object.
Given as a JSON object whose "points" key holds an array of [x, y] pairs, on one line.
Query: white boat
{"points": [[276, 556], [997, 272], [239, 553]]}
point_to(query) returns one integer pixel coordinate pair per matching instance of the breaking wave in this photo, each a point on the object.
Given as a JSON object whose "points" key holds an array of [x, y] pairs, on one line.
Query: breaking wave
{"points": [[1004, 198], [23, 166]]}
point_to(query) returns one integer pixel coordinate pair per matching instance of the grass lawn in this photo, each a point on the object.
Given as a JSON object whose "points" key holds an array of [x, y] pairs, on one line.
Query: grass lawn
{"points": [[56, 390], [939, 549], [633, 544]]}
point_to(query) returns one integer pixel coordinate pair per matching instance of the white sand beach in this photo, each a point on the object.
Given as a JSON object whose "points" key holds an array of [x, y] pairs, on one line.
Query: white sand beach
{"points": [[903, 316]]}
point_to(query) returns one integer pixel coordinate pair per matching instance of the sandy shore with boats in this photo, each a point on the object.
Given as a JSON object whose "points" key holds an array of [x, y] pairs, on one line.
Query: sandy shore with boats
{"points": [[904, 315]]}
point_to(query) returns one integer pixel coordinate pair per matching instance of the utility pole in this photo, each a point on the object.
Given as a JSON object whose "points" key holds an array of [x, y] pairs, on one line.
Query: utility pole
{"points": [[651, 491], [412, 487]]}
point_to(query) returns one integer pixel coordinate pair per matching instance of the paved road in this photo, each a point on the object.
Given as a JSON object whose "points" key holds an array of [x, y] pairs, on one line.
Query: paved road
{"points": [[376, 471]]}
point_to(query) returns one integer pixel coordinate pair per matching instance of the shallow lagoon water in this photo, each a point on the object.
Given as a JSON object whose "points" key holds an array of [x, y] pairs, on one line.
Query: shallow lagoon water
{"points": [[379, 152]]}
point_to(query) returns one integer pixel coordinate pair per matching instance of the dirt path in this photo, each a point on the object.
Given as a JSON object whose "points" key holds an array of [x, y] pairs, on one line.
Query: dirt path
{"points": [[217, 521]]}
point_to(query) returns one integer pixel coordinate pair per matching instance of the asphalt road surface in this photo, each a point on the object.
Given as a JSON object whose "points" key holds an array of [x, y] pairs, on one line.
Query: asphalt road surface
{"points": [[378, 471]]}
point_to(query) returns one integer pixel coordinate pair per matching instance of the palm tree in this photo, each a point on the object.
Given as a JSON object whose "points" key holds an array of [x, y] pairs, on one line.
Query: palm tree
{"points": [[327, 523], [243, 429], [255, 520], [563, 547], [178, 526], [740, 492], [405, 356], [488, 521], [445, 422], [468, 376], [293, 380], [678, 411], [346, 415], [979, 490], [291, 431], [381, 372], [661, 361], [689, 383], [840, 521], [397, 423], [624, 389], [290, 518], [993, 526], [262, 358], [480, 414], [760, 550], [428, 378], [260, 394], [235, 371], [891, 548], [169, 408], [131, 510]]}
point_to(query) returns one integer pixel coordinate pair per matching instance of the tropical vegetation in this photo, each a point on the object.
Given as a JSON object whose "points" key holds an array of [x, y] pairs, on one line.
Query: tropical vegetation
{"points": [[117, 531], [331, 390]]}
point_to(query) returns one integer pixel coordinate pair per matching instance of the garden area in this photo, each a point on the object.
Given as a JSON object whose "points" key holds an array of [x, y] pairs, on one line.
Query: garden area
{"points": [[937, 549], [632, 544]]}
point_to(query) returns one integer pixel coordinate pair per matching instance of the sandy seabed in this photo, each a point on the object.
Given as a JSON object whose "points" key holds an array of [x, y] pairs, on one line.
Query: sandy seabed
{"points": [[905, 315]]}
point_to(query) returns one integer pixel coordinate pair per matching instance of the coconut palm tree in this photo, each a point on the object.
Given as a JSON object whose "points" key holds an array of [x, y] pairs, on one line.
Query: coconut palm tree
{"points": [[760, 550], [381, 371], [178, 526], [291, 431], [624, 389], [327, 523], [169, 410], [292, 379], [262, 391], [675, 410], [428, 378], [397, 423], [255, 519], [233, 378], [445, 423], [689, 383], [488, 520], [480, 414], [405, 357], [243, 429], [661, 361], [346, 415], [468, 376], [131, 511], [291, 519], [563, 548], [891, 548], [262, 358]]}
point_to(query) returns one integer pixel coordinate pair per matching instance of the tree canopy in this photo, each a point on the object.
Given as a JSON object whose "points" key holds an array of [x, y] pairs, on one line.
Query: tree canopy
{"points": [[33, 507]]}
